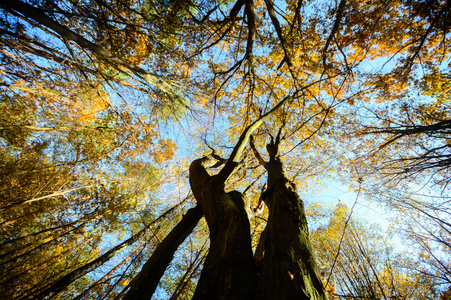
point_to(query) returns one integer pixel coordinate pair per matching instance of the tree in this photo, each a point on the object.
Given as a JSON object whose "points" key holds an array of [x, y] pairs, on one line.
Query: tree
{"points": [[289, 267], [361, 262], [92, 92]]}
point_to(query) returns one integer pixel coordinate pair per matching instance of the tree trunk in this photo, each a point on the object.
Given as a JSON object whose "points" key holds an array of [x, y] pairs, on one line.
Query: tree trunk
{"points": [[9, 264], [228, 271], [144, 284], [288, 269], [66, 280], [108, 275]]}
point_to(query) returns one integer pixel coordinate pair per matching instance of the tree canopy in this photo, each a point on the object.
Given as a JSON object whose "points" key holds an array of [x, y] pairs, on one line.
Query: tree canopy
{"points": [[124, 123]]}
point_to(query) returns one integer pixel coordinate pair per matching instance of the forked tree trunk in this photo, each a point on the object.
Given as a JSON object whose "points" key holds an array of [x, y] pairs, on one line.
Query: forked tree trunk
{"points": [[229, 270], [288, 268]]}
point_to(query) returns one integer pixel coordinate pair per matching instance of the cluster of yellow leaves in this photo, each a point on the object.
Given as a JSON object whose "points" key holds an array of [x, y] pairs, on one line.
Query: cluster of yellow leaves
{"points": [[437, 84], [132, 46], [166, 150], [70, 106], [89, 103], [330, 289]]}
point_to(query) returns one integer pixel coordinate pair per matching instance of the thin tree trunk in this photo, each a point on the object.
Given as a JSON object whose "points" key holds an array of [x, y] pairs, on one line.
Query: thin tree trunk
{"points": [[52, 195], [189, 274], [95, 214], [12, 281], [63, 282], [144, 284], [107, 275], [8, 264]]}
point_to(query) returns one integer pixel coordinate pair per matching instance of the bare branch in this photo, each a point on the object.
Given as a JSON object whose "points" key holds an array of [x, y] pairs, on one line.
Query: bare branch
{"points": [[257, 155], [234, 158], [338, 16]]}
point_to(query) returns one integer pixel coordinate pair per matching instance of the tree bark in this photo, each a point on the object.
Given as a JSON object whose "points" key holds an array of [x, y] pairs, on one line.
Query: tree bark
{"points": [[228, 271], [288, 268]]}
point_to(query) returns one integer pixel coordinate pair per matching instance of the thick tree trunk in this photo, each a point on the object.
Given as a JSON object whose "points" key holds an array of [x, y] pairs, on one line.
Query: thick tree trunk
{"points": [[288, 269], [228, 271]]}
